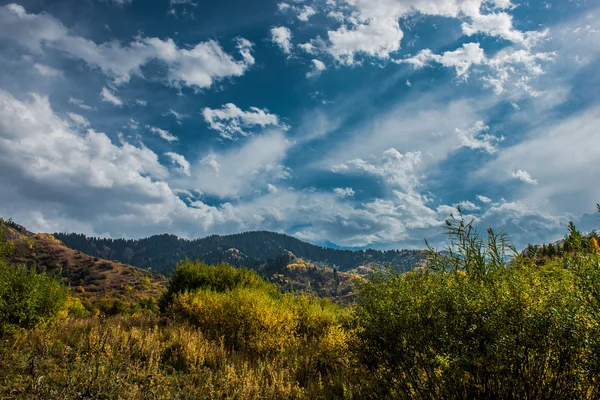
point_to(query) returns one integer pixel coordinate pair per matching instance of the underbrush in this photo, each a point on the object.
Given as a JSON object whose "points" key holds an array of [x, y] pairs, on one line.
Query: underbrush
{"points": [[151, 358], [480, 321]]}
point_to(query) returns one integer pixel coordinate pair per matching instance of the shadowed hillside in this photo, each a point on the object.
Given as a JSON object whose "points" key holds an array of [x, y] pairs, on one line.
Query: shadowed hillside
{"points": [[91, 278], [251, 249]]}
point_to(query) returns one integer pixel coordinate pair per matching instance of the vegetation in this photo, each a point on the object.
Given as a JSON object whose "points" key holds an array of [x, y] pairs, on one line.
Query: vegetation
{"points": [[28, 299], [474, 325], [91, 278], [478, 321], [162, 253]]}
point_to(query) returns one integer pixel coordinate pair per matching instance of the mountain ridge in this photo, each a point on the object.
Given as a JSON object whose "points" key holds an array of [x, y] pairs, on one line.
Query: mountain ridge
{"points": [[251, 249]]}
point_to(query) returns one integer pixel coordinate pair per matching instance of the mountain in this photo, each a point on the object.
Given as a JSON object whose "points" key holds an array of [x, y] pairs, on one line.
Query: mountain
{"points": [[161, 253], [90, 277]]}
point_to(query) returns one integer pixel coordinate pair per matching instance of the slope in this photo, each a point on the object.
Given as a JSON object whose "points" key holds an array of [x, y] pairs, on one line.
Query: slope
{"points": [[91, 278], [251, 249]]}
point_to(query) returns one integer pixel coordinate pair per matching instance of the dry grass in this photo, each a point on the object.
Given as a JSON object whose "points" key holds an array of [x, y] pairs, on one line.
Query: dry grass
{"points": [[91, 278], [150, 358]]}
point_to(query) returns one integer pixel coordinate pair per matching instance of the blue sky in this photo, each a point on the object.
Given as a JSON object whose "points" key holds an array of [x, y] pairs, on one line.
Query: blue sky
{"points": [[353, 123]]}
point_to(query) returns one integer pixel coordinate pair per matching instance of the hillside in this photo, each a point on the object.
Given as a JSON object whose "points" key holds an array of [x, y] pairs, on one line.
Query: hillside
{"points": [[94, 278], [91, 278], [161, 253]]}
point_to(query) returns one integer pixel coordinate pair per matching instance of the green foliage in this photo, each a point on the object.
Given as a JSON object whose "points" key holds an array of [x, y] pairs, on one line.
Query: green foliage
{"points": [[111, 306], [162, 253], [5, 246], [523, 331], [238, 306], [194, 275], [220, 278], [469, 251], [28, 299]]}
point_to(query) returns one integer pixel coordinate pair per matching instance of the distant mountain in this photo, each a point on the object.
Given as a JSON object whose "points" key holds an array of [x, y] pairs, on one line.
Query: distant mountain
{"points": [[161, 253]]}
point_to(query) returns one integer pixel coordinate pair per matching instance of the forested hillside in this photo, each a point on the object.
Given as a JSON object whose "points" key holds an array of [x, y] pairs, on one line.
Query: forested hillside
{"points": [[161, 253]]}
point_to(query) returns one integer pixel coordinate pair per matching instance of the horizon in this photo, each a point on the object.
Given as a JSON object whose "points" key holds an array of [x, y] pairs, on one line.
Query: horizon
{"points": [[344, 124]]}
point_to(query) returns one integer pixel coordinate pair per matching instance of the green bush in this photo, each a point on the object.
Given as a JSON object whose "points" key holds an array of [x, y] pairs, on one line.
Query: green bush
{"points": [[194, 275], [28, 299], [482, 328]]}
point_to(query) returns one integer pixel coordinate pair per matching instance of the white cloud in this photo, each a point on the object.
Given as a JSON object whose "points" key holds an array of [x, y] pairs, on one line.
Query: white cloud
{"points": [[141, 102], [282, 37], [475, 138], [43, 152], [271, 188], [524, 176], [305, 13], [317, 68], [377, 37], [178, 116], [107, 96], [179, 160], [79, 120], [394, 167], [372, 28], [75, 181], [164, 134], [79, 103], [344, 192], [238, 171], [197, 66], [562, 187], [484, 199], [302, 13], [47, 71], [460, 59], [231, 121], [133, 124]]}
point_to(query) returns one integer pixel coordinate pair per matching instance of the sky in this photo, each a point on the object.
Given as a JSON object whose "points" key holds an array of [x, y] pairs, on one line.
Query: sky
{"points": [[347, 123]]}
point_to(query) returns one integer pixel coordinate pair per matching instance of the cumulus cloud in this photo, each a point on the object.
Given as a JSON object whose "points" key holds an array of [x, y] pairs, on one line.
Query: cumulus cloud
{"points": [[305, 13], [302, 13], [271, 188], [46, 70], [344, 192], [46, 156], [164, 134], [484, 199], [476, 138], [197, 66], [317, 68], [372, 29], [394, 167], [75, 181], [231, 121], [180, 161], [524, 176], [109, 97], [282, 37], [460, 59]]}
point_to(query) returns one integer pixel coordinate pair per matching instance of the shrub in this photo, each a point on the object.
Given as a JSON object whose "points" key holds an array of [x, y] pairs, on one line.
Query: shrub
{"points": [[194, 275], [482, 328], [111, 306], [28, 299], [247, 319]]}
